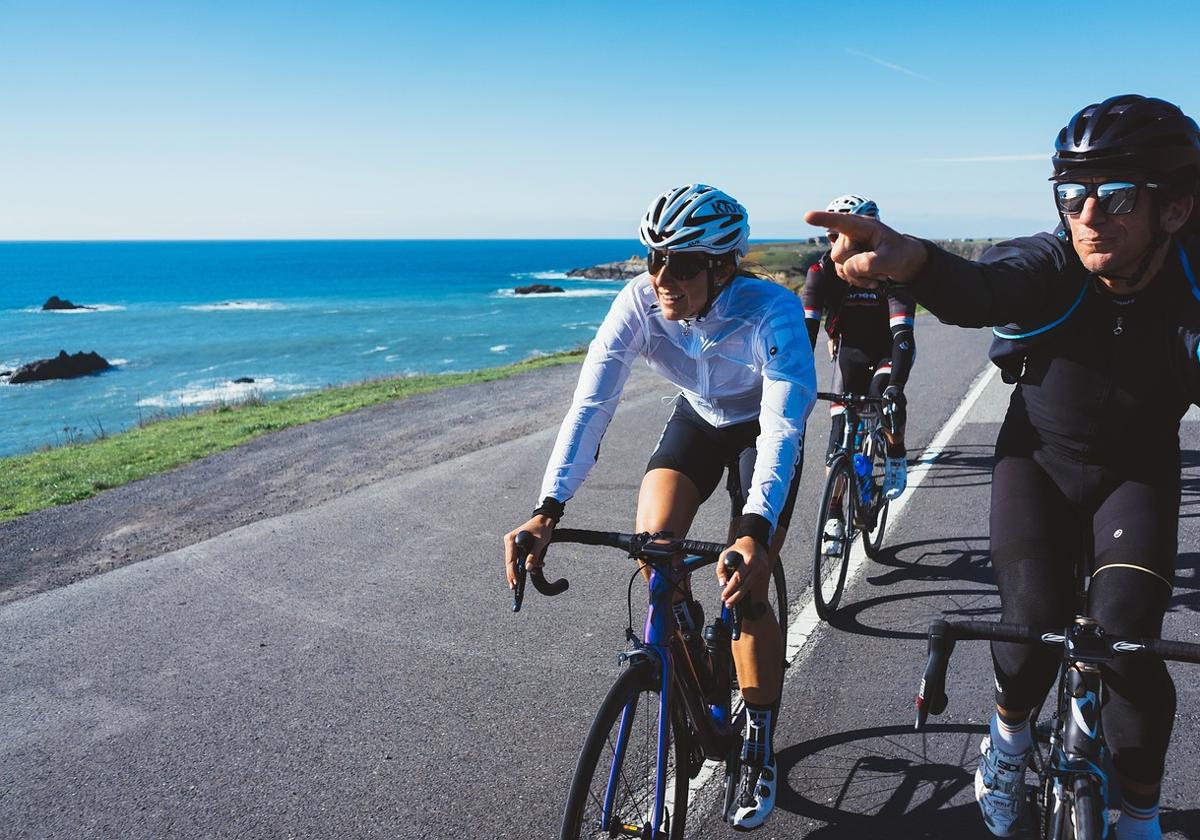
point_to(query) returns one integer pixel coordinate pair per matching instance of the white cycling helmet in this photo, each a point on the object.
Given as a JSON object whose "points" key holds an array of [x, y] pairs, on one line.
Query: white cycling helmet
{"points": [[696, 217], [854, 204]]}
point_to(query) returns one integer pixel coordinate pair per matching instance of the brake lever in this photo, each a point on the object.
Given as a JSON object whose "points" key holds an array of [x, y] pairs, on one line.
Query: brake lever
{"points": [[931, 696], [732, 561], [524, 545]]}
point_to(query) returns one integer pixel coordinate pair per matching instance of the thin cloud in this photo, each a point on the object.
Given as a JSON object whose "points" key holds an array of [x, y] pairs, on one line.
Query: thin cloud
{"points": [[889, 65], [986, 158]]}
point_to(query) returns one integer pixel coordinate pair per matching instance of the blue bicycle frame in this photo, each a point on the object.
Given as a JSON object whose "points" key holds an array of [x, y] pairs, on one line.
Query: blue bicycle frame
{"points": [[712, 723]]}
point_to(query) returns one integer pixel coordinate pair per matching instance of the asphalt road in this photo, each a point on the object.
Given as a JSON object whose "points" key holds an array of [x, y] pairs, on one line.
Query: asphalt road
{"points": [[352, 670]]}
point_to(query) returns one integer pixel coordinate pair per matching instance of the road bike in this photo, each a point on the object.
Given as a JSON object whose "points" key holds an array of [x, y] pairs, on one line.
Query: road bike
{"points": [[853, 495], [1069, 755], [674, 704]]}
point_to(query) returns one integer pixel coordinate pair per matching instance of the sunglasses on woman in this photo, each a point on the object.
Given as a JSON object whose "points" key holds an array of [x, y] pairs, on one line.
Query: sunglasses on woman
{"points": [[683, 265], [1115, 198]]}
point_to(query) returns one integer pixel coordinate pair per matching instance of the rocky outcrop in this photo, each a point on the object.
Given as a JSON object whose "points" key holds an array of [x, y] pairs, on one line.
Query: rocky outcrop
{"points": [[537, 289], [243, 380], [55, 302], [624, 270], [61, 366]]}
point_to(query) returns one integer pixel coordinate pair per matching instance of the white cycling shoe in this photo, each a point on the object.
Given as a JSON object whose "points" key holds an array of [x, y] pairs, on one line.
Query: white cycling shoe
{"points": [[895, 476], [755, 795], [834, 535], [1000, 787]]}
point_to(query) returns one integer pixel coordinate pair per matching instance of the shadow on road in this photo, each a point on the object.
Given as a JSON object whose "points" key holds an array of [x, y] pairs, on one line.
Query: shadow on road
{"points": [[1187, 583], [893, 782], [966, 466], [884, 782], [934, 560], [908, 613]]}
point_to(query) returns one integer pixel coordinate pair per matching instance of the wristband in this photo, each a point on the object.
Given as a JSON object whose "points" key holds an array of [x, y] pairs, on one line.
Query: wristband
{"points": [[551, 508], [757, 528]]}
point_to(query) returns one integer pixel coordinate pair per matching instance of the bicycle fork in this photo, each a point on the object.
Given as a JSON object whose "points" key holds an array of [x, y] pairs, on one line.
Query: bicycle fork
{"points": [[1080, 756]]}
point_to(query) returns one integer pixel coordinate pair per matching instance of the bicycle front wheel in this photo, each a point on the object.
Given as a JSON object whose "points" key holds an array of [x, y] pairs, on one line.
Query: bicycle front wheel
{"points": [[1087, 812], [876, 519], [831, 558], [612, 793]]}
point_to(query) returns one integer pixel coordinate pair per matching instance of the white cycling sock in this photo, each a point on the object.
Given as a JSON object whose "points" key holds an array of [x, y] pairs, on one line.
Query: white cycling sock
{"points": [[1138, 823], [757, 740], [1014, 739]]}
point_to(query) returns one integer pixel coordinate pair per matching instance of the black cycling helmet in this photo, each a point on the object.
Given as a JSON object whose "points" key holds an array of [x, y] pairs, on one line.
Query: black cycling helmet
{"points": [[1130, 133]]}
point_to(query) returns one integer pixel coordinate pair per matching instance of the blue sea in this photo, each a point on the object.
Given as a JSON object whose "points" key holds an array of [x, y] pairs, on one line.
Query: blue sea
{"points": [[181, 320]]}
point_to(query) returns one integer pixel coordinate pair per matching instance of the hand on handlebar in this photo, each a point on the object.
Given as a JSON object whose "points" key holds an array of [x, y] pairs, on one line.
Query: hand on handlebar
{"points": [[893, 406], [752, 573], [540, 528]]}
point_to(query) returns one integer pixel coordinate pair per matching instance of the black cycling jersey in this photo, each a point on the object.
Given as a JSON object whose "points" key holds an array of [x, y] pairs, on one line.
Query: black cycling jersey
{"points": [[1100, 377], [877, 321]]}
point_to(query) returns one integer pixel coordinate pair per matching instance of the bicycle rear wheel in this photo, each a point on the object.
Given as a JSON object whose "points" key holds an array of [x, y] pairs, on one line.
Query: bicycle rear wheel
{"points": [[873, 527], [829, 570], [1087, 811], [618, 766], [777, 595]]}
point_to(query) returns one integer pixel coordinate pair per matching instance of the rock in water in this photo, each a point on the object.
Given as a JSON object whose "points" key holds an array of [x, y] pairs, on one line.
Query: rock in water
{"points": [[243, 380], [536, 289], [55, 302], [625, 270], [61, 366]]}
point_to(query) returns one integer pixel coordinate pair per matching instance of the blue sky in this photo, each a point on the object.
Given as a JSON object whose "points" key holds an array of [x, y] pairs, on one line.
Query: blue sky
{"points": [[150, 120]]}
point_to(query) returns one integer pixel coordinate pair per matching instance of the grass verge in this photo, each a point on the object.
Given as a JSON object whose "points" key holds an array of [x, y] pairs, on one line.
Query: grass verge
{"points": [[78, 471]]}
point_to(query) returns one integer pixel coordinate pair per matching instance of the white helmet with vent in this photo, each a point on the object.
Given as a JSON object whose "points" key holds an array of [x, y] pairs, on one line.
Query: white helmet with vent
{"points": [[696, 217], [855, 204]]}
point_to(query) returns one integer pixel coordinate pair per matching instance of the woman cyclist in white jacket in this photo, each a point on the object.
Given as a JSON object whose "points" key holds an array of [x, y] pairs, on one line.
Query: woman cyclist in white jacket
{"points": [[737, 348]]}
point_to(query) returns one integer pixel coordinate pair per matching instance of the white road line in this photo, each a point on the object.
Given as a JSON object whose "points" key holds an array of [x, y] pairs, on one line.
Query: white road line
{"points": [[804, 626]]}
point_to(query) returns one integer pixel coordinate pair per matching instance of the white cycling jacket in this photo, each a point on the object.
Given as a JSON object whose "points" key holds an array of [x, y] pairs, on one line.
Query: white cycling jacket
{"points": [[748, 358]]}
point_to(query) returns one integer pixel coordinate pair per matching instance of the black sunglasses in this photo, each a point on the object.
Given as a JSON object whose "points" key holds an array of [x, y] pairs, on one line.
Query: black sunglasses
{"points": [[1115, 198], [683, 265]]}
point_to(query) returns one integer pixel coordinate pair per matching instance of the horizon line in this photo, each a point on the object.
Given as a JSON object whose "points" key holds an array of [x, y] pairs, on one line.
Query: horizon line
{"points": [[219, 240]]}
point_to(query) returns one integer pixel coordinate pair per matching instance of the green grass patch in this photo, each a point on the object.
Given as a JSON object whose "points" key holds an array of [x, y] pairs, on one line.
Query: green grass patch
{"points": [[80, 470]]}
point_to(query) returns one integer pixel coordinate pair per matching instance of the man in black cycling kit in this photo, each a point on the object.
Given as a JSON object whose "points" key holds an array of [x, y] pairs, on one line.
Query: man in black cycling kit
{"points": [[871, 338], [1098, 326]]}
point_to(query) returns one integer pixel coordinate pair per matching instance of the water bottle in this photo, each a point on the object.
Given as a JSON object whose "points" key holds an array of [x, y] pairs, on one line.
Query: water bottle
{"points": [[866, 485]]}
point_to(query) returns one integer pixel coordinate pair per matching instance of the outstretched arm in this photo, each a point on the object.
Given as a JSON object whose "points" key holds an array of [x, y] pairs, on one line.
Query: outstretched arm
{"points": [[1013, 282], [869, 253]]}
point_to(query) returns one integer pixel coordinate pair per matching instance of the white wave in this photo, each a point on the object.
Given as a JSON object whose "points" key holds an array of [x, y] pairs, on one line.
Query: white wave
{"points": [[237, 306], [116, 362], [541, 275], [391, 358], [378, 349], [500, 348], [573, 293], [212, 391], [87, 308]]}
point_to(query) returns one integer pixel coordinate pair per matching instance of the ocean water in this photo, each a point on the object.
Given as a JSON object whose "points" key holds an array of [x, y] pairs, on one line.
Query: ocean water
{"points": [[182, 320]]}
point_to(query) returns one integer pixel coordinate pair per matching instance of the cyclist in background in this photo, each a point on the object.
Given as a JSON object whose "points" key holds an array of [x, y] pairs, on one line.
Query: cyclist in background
{"points": [[1102, 326], [734, 345], [871, 339]]}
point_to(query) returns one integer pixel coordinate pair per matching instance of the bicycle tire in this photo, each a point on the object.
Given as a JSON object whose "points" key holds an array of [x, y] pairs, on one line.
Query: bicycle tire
{"points": [[829, 571], [778, 595], [872, 539], [634, 796], [1087, 811]]}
